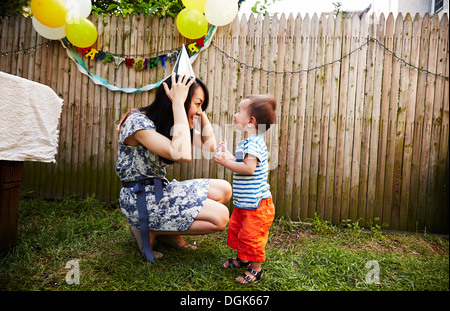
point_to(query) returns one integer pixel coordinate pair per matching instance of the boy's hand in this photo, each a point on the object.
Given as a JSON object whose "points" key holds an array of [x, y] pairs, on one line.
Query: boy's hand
{"points": [[222, 146], [221, 158]]}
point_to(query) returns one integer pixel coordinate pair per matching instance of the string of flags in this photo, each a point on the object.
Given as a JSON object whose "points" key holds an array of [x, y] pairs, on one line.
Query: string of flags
{"points": [[140, 63], [194, 48]]}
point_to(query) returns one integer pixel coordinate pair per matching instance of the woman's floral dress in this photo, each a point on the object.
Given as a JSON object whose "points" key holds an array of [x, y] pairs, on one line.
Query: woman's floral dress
{"points": [[181, 201]]}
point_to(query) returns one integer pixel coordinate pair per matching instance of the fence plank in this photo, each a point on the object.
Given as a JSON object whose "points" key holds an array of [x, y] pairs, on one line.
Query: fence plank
{"points": [[443, 171], [384, 121], [418, 124], [284, 81], [410, 93], [293, 118], [425, 204], [437, 128], [317, 121], [389, 194], [322, 208], [343, 96], [346, 211], [368, 121], [372, 211], [306, 212], [357, 210], [298, 208], [272, 78], [330, 213], [397, 214]]}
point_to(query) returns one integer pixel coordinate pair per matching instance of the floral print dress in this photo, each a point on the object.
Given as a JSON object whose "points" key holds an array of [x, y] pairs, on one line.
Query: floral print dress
{"points": [[181, 201]]}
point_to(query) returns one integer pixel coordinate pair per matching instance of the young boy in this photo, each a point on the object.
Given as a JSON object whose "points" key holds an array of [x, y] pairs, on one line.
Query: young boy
{"points": [[254, 211]]}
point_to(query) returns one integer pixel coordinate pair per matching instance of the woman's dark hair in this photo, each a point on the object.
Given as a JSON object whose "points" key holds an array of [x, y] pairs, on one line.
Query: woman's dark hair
{"points": [[161, 113]]}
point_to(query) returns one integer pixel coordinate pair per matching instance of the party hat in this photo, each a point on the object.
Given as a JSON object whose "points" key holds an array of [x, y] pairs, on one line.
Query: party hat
{"points": [[183, 65]]}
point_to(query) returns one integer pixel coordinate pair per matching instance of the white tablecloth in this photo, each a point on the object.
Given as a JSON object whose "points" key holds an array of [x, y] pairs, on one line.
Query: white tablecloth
{"points": [[29, 117]]}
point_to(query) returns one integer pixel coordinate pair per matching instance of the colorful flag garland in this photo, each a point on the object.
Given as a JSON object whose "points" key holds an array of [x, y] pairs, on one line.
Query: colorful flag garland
{"points": [[137, 63], [140, 63]]}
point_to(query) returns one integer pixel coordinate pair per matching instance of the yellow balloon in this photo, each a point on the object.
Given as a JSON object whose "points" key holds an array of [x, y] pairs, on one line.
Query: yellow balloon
{"points": [[81, 32], [192, 24], [50, 13], [198, 5]]}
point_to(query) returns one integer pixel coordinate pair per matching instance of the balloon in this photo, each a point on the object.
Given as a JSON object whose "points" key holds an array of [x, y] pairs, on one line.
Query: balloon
{"points": [[81, 32], [50, 13], [48, 32], [218, 14], [198, 5], [78, 8], [192, 24]]}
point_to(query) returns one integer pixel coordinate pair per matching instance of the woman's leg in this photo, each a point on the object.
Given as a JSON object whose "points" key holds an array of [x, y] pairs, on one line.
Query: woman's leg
{"points": [[213, 216], [220, 190]]}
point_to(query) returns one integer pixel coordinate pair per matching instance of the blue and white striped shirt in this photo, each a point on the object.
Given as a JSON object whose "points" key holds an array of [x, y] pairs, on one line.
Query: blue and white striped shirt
{"points": [[249, 190]]}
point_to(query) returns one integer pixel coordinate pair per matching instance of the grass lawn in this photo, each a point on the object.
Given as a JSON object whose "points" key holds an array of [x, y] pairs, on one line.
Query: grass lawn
{"points": [[299, 257]]}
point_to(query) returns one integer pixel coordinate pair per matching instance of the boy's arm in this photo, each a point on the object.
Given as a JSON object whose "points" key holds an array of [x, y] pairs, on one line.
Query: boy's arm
{"points": [[247, 167]]}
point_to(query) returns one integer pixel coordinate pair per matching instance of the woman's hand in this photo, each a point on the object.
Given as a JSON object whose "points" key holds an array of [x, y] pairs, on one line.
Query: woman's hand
{"points": [[179, 89]]}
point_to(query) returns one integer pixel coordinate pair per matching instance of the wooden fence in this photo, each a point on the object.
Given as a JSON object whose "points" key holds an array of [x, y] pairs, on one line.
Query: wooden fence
{"points": [[363, 135]]}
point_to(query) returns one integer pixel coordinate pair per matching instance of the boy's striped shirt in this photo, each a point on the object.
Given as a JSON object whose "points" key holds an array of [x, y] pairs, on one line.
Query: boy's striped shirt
{"points": [[249, 190]]}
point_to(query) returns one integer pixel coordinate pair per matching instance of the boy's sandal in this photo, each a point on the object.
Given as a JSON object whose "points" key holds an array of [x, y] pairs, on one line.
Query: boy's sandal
{"points": [[255, 277], [232, 265]]}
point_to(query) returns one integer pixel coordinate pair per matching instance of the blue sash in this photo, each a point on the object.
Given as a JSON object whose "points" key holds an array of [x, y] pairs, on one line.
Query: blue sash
{"points": [[139, 189]]}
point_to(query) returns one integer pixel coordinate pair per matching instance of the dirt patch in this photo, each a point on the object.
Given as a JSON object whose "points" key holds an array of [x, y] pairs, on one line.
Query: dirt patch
{"points": [[282, 237]]}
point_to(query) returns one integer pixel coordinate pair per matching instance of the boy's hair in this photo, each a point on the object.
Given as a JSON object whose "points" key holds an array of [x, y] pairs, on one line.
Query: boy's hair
{"points": [[262, 108]]}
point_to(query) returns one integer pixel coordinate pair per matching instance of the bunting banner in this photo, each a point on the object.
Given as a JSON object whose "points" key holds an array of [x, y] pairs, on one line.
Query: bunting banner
{"points": [[74, 56]]}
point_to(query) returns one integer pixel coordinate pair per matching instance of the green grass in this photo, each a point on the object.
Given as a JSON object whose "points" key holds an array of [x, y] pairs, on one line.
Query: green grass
{"points": [[299, 258]]}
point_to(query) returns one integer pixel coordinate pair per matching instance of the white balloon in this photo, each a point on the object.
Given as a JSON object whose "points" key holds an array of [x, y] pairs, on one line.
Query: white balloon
{"points": [[219, 12], [78, 8], [48, 32]]}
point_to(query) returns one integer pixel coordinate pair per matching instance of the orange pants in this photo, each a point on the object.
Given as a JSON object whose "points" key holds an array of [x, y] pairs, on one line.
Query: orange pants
{"points": [[248, 230]]}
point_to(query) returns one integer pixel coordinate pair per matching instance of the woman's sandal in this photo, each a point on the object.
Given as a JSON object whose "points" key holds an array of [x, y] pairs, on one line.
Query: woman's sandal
{"points": [[232, 265], [255, 277], [136, 233], [175, 241]]}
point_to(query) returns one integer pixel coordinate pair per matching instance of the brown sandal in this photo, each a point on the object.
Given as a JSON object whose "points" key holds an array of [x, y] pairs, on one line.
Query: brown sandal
{"points": [[255, 277], [231, 265]]}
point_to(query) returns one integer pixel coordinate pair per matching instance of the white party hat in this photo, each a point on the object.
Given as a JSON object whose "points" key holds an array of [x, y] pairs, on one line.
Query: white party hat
{"points": [[183, 64]]}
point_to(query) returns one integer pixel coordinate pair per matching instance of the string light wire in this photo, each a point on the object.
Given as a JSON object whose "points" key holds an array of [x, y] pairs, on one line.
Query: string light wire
{"points": [[438, 75], [330, 63]]}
